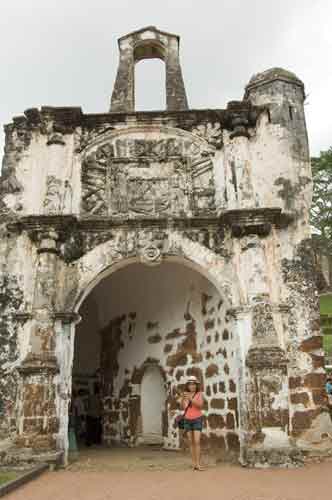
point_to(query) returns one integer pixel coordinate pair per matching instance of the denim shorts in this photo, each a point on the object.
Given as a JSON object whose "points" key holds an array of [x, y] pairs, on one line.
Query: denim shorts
{"points": [[195, 424]]}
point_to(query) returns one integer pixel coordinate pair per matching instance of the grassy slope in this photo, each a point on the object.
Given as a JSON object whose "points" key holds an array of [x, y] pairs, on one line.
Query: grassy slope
{"points": [[326, 308], [7, 476]]}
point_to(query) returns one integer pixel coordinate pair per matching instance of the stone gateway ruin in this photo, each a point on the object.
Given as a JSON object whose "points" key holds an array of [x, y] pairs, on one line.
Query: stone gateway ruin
{"points": [[142, 247]]}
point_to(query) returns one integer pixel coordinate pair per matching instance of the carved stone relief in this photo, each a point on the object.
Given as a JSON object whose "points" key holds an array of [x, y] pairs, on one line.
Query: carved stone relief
{"points": [[52, 201], [147, 178], [211, 132], [94, 186]]}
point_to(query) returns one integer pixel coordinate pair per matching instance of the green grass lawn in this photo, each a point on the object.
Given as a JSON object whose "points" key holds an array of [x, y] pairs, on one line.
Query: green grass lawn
{"points": [[327, 344], [325, 303], [7, 476]]}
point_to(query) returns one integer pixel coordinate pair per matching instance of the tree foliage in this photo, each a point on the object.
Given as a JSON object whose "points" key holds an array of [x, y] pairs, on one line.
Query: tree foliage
{"points": [[321, 209]]}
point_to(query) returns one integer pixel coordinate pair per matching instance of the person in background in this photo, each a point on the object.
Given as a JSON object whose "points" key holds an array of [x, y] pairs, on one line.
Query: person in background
{"points": [[328, 388], [93, 419]]}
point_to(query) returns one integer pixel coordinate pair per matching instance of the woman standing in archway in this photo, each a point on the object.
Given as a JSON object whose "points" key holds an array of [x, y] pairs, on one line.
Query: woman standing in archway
{"points": [[192, 403]]}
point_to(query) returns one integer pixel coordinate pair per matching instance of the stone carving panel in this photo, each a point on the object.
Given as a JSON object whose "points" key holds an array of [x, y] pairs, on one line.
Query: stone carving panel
{"points": [[147, 178], [211, 132], [52, 201], [94, 177]]}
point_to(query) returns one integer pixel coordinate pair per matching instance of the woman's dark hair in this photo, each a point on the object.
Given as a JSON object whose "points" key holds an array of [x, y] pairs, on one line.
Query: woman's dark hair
{"points": [[198, 386]]}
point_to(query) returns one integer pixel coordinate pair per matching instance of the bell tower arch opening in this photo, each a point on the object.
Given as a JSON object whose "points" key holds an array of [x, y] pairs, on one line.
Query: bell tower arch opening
{"points": [[150, 85], [148, 43]]}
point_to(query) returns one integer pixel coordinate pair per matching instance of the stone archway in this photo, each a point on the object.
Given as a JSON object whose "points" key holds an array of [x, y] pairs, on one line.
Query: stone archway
{"points": [[184, 328]]}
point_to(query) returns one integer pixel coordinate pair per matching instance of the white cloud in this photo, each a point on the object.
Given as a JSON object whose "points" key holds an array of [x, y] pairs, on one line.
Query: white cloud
{"points": [[64, 53]]}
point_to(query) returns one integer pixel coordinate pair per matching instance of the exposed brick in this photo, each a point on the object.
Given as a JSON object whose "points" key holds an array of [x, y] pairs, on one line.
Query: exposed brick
{"points": [[179, 374], [232, 386], [197, 357], [209, 324], [211, 370], [312, 343], [232, 404], [302, 419], [233, 441], [154, 339], [217, 403], [318, 361], [151, 325], [230, 421], [205, 299], [215, 421], [225, 334], [189, 343], [319, 396], [222, 387], [178, 359], [217, 443], [294, 382], [197, 372], [315, 380], [175, 334], [168, 348], [299, 398]]}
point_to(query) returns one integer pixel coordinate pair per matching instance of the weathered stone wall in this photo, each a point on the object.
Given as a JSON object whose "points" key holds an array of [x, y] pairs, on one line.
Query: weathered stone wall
{"points": [[225, 191]]}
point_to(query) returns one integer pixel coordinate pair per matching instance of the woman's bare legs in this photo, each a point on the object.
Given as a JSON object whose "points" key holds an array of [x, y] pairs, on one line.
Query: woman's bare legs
{"points": [[196, 443], [190, 440]]}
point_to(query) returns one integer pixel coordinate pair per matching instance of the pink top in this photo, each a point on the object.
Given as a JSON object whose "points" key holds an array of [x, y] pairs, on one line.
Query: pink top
{"points": [[193, 411]]}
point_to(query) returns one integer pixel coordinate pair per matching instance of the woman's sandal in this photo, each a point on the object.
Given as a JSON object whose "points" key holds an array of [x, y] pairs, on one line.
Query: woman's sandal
{"points": [[200, 468]]}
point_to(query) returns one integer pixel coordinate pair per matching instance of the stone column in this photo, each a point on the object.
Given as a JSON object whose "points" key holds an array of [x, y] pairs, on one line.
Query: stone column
{"points": [[123, 96], [263, 387], [38, 409], [65, 323], [176, 98]]}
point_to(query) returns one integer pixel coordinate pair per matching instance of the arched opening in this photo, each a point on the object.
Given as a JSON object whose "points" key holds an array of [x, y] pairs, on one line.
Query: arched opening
{"points": [[153, 398], [150, 85], [144, 330]]}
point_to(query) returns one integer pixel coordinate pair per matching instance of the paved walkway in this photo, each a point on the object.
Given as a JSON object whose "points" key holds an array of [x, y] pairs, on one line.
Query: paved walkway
{"points": [[155, 480]]}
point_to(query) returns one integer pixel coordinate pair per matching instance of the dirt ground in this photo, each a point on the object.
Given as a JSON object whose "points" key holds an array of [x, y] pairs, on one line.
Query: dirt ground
{"points": [[150, 474]]}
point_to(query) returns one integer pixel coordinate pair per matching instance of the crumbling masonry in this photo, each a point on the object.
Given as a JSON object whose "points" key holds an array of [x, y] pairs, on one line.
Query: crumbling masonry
{"points": [[221, 193]]}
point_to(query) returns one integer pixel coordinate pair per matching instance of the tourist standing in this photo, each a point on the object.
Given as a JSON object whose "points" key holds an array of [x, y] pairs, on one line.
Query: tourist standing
{"points": [[191, 402]]}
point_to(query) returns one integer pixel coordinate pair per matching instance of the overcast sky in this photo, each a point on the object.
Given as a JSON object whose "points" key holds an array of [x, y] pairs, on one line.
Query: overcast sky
{"points": [[64, 52]]}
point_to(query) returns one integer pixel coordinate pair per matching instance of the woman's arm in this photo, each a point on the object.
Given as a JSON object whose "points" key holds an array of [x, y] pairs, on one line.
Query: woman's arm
{"points": [[198, 401]]}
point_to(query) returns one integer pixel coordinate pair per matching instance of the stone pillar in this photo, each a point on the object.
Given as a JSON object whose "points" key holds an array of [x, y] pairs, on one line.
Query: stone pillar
{"points": [[38, 400], [123, 96], [38, 420], [176, 98], [263, 382], [65, 323], [267, 391]]}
